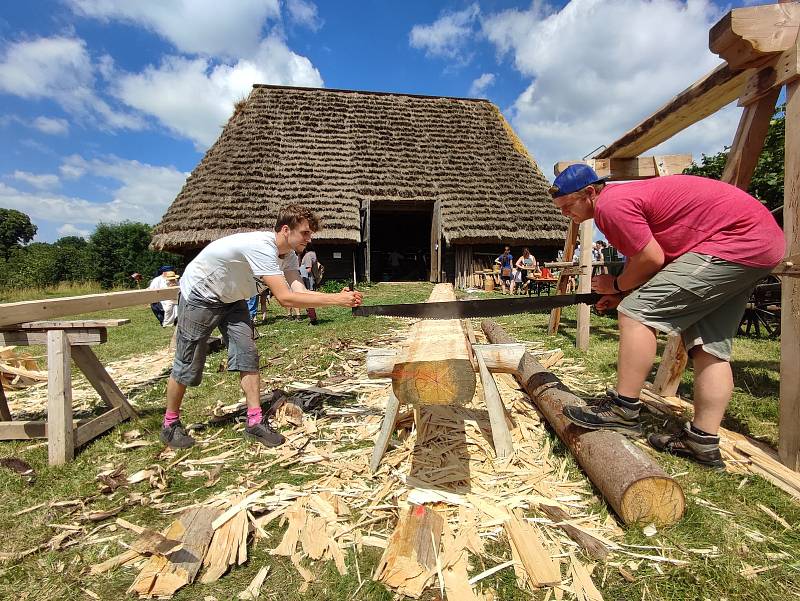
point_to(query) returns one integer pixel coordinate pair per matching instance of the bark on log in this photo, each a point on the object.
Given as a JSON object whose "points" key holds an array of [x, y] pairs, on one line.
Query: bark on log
{"points": [[632, 483]]}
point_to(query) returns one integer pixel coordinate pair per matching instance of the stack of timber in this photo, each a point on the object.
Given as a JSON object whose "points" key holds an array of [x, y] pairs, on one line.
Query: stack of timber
{"points": [[632, 483], [741, 453]]}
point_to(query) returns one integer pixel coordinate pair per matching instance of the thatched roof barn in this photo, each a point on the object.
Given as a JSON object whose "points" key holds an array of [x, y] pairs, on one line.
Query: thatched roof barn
{"points": [[452, 164]]}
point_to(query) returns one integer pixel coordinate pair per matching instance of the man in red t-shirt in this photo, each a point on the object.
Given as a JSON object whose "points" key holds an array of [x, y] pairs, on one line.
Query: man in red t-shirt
{"points": [[696, 248]]}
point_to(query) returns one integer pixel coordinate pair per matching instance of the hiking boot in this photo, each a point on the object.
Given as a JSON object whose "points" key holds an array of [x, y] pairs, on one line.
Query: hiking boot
{"points": [[175, 436], [685, 443], [607, 413], [263, 433]]}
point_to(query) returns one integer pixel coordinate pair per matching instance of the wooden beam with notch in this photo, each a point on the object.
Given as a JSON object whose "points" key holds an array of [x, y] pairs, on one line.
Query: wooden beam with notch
{"points": [[626, 169]]}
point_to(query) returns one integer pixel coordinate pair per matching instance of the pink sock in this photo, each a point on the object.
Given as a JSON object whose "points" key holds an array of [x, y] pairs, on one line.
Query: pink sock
{"points": [[253, 416], [170, 417]]}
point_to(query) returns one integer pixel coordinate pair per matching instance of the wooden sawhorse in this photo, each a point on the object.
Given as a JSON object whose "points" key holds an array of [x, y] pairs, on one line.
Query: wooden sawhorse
{"points": [[66, 341]]}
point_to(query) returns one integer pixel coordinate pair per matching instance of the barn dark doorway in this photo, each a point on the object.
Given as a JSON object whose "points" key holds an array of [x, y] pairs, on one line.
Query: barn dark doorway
{"points": [[400, 241]]}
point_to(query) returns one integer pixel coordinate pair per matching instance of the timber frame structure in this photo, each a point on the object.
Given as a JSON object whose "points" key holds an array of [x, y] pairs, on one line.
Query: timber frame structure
{"points": [[761, 49]]}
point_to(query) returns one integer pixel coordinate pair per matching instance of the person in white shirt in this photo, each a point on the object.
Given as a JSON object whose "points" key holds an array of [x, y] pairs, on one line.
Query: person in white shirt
{"points": [[170, 307], [157, 283], [214, 289]]}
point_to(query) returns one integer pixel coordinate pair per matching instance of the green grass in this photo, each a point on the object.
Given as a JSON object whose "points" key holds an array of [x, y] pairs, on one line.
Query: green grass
{"points": [[291, 349]]}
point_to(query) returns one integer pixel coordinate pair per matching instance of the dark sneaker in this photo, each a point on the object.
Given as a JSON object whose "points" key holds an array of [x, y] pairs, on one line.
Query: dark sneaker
{"points": [[176, 437], [608, 413], [263, 433], [685, 443]]}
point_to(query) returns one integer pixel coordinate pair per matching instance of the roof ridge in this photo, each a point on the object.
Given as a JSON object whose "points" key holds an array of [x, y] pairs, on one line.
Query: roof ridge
{"points": [[370, 92]]}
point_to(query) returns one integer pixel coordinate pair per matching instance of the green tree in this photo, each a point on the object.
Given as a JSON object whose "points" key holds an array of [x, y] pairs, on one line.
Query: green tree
{"points": [[767, 181], [34, 265], [75, 260], [16, 229], [118, 250]]}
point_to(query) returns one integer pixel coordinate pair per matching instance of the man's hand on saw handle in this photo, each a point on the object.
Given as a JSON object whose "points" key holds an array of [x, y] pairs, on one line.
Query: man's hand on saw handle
{"points": [[350, 298], [608, 302]]}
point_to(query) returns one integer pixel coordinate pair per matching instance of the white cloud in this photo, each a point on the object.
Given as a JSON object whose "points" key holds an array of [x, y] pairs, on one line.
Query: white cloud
{"points": [[194, 97], [206, 27], [448, 35], [60, 69], [40, 181], [304, 13], [141, 192], [52, 126], [68, 229], [480, 84], [592, 83]]}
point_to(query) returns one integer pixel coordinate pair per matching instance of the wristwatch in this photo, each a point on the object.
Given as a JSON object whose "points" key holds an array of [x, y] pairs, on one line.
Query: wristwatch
{"points": [[616, 286]]}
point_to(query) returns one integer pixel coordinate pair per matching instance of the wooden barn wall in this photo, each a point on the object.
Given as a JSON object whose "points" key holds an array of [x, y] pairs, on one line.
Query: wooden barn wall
{"points": [[339, 268]]}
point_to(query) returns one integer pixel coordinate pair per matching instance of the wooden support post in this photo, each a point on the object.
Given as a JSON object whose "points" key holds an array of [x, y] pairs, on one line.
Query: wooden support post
{"points": [[632, 483], [366, 237], [584, 285], [789, 413], [670, 370], [385, 434], [563, 280], [501, 436], [435, 367], [60, 439], [436, 241]]}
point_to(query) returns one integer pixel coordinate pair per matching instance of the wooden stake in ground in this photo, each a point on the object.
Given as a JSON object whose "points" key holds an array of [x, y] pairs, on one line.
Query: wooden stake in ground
{"points": [[435, 367], [409, 561], [632, 483]]}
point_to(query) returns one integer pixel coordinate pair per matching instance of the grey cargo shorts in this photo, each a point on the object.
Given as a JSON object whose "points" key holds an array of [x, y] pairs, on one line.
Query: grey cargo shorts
{"points": [[699, 296], [196, 320]]}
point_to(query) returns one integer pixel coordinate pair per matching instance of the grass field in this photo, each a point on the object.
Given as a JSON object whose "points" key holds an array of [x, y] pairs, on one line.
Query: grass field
{"points": [[718, 544]]}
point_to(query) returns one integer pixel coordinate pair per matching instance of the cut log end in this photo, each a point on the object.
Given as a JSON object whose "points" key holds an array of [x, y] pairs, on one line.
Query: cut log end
{"points": [[657, 500], [444, 382]]}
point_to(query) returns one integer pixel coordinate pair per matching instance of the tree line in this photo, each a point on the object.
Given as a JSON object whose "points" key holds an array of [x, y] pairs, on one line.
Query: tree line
{"points": [[110, 255]]}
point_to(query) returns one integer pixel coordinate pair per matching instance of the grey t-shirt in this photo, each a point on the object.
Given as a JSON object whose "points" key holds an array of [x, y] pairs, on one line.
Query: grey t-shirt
{"points": [[228, 269]]}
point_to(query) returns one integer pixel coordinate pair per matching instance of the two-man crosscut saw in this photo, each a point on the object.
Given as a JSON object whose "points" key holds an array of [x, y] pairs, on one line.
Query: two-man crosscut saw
{"points": [[464, 309]]}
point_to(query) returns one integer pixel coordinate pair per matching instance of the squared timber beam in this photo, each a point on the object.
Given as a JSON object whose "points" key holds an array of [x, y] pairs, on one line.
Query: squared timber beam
{"points": [[626, 169]]}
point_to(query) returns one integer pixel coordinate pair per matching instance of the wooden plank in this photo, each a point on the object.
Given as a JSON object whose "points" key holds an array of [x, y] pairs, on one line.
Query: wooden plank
{"points": [[527, 542], [627, 169], [503, 445], [98, 377], [29, 430], [25, 311], [385, 434], [706, 96], [670, 370], [748, 36], [60, 435], [409, 561], [584, 285], [92, 429], [435, 367], [91, 336], [72, 324], [789, 412], [563, 280], [749, 140]]}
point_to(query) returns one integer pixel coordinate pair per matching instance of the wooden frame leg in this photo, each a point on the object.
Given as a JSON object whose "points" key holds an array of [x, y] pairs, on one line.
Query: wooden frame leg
{"points": [[98, 377], [5, 413], [60, 433], [501, 436], [563, 281], [385, 434]]}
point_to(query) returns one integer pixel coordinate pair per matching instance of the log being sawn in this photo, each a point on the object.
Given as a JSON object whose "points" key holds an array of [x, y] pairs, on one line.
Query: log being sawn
{"points": [[632, 483]]}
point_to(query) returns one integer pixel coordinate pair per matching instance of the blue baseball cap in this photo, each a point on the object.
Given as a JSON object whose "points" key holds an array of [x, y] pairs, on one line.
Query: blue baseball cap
{"points": [[573, 178]]}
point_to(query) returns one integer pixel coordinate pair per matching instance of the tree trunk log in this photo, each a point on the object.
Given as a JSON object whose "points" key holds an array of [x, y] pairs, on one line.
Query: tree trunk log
{"points": [[632, 483]]}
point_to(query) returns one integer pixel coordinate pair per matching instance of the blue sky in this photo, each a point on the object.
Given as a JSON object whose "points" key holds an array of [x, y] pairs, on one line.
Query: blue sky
{"points": [[107, 105]]}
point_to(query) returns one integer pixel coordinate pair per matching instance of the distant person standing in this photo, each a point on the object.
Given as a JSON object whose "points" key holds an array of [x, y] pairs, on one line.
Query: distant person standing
{"points": [[506, 261], [170, 307], [307, 269], [159, 283]]}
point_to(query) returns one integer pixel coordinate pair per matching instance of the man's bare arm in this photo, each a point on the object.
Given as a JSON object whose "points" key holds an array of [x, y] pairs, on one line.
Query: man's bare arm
{"points": [[638, 269], [298, 298]]}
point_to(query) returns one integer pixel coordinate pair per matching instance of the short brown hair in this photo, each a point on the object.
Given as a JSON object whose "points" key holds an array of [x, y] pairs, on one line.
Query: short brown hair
{"points": [[292, 215]]}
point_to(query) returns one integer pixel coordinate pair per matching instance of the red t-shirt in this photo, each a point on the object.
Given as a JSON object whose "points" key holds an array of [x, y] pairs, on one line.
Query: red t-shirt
{"points": [[685, 213]]}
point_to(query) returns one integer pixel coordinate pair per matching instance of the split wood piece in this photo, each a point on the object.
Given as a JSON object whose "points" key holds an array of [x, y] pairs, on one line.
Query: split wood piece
{"points": [[563, 280], [627, 169], [163, 576], [584, 285], [499, 358], [385, 433], [409, 561], [527, 542], [151, 542], [632, 483], [582, 584], [501, 436], [296, 516], [593, 547], [453, 564], [435, 368], [228, 547], [672, 366], [253, 590], [26, 311], [126, 557]]}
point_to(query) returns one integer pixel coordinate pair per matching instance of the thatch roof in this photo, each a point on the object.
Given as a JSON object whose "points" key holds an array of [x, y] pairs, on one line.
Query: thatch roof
{"points": [[331, 149]]}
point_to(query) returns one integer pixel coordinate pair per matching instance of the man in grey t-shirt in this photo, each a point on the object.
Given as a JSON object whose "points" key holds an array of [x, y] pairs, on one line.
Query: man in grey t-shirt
{"points": [[214, 290]]}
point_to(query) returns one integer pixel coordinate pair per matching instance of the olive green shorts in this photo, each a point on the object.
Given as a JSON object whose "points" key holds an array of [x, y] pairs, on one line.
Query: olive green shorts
{"points": [[699, 296]]}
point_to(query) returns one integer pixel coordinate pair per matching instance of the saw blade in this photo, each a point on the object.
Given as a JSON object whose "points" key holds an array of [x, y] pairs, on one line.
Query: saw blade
{"points": [[465, 309]]}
